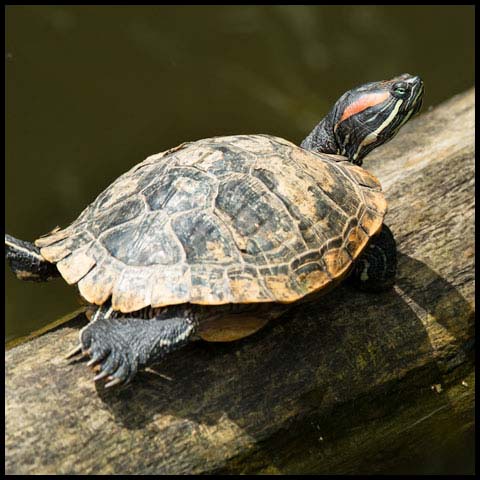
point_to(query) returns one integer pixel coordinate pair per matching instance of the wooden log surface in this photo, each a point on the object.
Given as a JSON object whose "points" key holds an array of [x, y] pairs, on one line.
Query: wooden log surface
{"points": [[341, 386]]}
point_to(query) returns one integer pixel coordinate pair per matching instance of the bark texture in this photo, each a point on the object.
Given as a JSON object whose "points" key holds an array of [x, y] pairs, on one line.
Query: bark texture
{"points": [[346, 385]]}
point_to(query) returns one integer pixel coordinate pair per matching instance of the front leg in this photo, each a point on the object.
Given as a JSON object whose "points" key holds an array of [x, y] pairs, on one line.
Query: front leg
{"points": [[121, 344], [375, 269]]}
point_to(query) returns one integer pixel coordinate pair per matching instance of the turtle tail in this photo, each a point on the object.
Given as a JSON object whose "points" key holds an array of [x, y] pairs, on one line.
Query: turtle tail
{"points": [[27, 262]]}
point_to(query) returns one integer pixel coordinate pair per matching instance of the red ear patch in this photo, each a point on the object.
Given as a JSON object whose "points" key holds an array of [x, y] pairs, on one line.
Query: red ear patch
{"points": [[365, 101]]}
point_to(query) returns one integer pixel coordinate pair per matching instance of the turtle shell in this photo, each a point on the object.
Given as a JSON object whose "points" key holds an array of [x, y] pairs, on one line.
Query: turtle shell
{"points": [[240, 219]]}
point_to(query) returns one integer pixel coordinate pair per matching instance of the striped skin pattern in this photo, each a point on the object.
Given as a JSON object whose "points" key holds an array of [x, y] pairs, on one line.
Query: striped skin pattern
{"points": [[241, 219], [366, 117], [381, 115]]}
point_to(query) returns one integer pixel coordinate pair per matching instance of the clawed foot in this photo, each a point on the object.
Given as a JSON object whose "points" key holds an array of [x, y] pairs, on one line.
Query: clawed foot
{"points": [[112, 381], [111, 346], [118, 347], [110, 356]]}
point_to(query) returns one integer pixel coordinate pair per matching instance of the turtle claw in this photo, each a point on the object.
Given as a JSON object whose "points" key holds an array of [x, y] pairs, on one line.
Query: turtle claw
{"points": [[119, 347], [109, 361], [93, 361], [100, 376], [113, 382], [73, 352]]}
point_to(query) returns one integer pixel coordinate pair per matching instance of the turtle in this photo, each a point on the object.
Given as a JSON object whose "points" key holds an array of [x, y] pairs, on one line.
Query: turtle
{"points": [[214, 238]]}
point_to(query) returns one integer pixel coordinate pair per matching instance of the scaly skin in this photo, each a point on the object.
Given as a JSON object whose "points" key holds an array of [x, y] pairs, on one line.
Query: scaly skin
{"points": [[118, 347]]}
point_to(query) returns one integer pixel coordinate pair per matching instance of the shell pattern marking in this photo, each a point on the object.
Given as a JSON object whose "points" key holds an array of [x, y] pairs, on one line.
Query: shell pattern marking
{"points": [[247, 218]]}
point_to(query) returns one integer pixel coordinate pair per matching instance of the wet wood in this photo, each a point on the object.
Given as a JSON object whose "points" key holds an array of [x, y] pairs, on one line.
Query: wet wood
{"points": [[343, 386]]}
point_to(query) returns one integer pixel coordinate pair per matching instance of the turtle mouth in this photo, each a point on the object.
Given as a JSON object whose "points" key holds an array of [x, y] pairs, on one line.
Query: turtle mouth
{"points": [[416, 94], [418, 104]]}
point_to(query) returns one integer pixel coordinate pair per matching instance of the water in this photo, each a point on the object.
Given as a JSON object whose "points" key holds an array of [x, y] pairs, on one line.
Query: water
{"points": [[93, 90]]}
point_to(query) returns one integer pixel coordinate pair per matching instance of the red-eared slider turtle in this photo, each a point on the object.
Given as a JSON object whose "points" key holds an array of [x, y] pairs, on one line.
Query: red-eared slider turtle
{"points": [[213, 238]]}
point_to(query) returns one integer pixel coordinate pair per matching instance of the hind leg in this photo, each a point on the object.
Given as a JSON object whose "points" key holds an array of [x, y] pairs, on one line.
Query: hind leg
{"points": [[121, 345], [26, 261], [375, 269]]}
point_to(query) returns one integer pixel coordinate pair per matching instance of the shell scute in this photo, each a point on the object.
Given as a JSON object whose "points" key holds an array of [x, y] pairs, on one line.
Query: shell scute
{"points": [[180, 189], [132, 290], [170, 286], [97, 285], [204, 239], [75, 266], [146, 240]]}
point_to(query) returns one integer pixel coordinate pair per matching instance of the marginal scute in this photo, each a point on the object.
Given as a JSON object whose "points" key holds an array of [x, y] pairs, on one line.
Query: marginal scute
{"points": [[132, 290], [75, 266], [65, 246], [245, 284], [55, 252], [356, 241], [243, 289], [97, 285], [209, 285], [362, 176], [52, 237], [371, 222], [240, 219], [375, 201], [281, 288], [314, 278], [337, 261], [170, 285]]}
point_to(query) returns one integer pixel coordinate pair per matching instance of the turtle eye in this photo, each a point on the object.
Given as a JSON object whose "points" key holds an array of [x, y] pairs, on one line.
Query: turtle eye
{"points": [[400, 89]]}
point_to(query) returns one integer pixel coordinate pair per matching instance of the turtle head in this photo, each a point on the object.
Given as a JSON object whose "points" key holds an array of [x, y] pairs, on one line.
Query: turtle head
{"points": [[367, 116]]}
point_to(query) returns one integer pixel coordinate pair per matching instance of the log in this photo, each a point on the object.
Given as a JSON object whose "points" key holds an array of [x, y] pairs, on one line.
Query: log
{"points": [[355, 383]]}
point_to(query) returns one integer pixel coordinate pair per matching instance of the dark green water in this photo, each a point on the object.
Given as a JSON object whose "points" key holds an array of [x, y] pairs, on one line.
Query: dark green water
{"points": [[93, 90]]}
